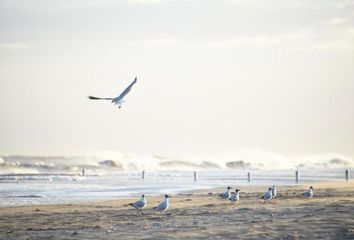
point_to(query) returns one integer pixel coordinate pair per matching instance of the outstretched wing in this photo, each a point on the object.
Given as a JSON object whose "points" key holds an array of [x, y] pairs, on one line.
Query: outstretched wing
{"points": [[98, 98], [127, 90]]}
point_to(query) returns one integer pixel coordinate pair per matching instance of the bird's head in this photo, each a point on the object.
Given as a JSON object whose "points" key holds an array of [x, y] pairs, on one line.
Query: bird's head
{"points": [[166, 196], [228, 188], [237, 190]]}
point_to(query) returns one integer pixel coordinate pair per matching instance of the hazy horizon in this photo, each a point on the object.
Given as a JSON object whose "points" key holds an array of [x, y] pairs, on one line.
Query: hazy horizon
{"points": [[214, 77]]}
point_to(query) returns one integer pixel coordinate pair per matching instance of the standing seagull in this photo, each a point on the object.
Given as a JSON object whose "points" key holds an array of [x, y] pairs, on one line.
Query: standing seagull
{"points": [[117, 100], [235, 196], [226, 195], [267, 195], [163, 206], [140, 204], [274, 191], [308, 193]]}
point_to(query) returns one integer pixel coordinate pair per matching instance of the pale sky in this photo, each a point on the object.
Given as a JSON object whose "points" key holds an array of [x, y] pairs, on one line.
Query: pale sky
{"points": [[213, 76]]}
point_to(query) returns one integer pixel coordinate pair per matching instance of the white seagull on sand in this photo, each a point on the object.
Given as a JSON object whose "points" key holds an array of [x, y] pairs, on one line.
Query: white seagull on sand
{"points": [[117, 100], [226, 195], [235, 196], [308, 193], [274, 191], [163, 206], [267, 195], [141, 204]]}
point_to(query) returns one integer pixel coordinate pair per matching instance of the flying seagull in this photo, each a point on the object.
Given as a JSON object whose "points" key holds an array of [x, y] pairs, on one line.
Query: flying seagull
{"points": [[117, 100]]}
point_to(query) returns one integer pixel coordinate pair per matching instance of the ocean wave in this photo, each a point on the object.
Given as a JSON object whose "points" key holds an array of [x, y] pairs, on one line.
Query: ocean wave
{"points": [[102, 165], [190, 165]]}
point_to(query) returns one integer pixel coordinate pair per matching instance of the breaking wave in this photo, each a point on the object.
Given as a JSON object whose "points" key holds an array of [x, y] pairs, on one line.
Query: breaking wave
{"points": [[110, 163]]}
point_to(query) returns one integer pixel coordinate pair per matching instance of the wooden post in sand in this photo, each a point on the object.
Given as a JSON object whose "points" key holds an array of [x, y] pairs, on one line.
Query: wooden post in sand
{"points": [[195, 176], [347, 175], [143, 175], [83, 172], [249, 177], [296, 176]]}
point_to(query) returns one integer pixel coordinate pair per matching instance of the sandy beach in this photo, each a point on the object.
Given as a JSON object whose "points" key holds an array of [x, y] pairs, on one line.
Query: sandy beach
{"points": [[328, 215]]}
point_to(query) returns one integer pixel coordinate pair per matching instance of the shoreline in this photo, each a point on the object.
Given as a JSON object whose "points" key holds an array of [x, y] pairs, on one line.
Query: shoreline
{"points": [[33, 197], [197, 191], [198, 214]]}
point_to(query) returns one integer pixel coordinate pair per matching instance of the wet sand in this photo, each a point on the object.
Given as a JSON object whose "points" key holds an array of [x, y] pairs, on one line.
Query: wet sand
{"points": [[328, 215]]}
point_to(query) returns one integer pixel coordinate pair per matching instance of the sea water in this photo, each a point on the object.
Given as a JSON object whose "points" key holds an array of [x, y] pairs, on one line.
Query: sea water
{"points": [[34, 189]]}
